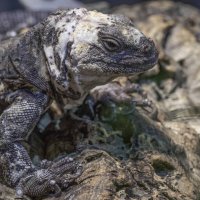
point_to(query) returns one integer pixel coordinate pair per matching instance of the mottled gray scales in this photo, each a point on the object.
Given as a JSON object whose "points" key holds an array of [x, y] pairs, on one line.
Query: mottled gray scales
{"points": [[62, 58]]}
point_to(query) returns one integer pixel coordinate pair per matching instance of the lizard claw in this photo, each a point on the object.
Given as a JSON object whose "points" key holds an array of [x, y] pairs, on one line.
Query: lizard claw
{"points": [[50, 179]]}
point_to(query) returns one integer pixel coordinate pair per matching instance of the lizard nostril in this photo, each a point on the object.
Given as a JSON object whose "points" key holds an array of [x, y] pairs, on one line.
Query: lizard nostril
{"points": [[146, 44], [146, 48], [150, 40]]}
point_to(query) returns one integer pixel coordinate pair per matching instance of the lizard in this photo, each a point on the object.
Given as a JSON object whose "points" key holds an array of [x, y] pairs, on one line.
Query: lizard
{"points": [[61, 58]]}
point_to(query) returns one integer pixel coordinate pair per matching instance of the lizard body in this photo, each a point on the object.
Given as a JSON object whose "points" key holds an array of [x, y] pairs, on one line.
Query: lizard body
{"points": [[61, 58]]}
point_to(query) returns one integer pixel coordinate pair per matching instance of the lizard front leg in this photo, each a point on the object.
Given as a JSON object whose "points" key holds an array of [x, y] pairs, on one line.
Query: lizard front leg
{"points": [[16, 167]]}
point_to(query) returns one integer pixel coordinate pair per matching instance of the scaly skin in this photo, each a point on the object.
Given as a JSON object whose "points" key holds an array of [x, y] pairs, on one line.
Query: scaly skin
{"points": [[61, 58]]}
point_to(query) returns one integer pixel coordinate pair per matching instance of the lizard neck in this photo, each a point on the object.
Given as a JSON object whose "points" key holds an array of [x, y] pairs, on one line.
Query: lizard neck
{"points": [[57, 37]]}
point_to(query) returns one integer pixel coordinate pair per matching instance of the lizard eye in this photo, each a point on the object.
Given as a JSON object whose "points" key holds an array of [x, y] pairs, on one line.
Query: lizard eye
{"points": [[110, 44]]}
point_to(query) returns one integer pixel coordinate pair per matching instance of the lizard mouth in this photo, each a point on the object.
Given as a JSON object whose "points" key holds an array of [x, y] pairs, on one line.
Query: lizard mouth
{"points": [[137, 65], [125, 68]]}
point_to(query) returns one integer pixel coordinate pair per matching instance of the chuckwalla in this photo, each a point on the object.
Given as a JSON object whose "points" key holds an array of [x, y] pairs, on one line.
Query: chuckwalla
{"points": [[61, 58]]}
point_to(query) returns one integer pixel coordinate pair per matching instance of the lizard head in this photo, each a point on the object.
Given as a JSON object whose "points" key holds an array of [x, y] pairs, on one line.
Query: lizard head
{"points": [[110, 44], [94, 48]]}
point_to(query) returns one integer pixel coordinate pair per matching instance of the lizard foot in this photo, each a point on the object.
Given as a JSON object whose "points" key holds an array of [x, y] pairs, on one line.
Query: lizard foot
{"points": [[117, 93], [121, 94], [50, 179]]}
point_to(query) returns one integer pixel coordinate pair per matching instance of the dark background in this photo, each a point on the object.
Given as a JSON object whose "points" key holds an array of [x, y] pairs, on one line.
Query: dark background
{"points": [[116, 2], [6, 5]]}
